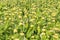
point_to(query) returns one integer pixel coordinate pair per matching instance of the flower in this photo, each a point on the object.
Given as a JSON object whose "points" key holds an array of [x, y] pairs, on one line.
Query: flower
{"points": [[43, 30], [42, 34], [49, 22], [43, 17], [32, 26], [53, 14], [32, 36], [20, 16], [55, 35], [16, 39], [53, 20], [15, 30], [56, 29], [0, 21], [21, 33], [20, 23], [32, 20], [25, 16]]}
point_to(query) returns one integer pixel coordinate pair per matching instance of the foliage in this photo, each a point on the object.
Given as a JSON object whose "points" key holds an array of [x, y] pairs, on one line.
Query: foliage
{"points": [[29, 20]]}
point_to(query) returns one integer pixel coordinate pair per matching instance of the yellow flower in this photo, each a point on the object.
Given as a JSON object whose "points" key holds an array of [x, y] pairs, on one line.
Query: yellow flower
{"points": [[20, 16], [21, 33], [53, 20], [43, 17], [15, 30], [0, 21], [56, 29], [12, 37], [14, 8], [20, 23], [42, 34], [55, 35], [33, 12], [49, 22], [32, 36], [9, 18], [54, 14], [16, 39], [25, 16], [32, 20], [32, 26], [5, 18], [43, 30]]}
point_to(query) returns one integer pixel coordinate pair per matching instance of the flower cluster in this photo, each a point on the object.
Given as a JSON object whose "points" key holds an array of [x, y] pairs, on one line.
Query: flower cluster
{"points": [[29, 20]]}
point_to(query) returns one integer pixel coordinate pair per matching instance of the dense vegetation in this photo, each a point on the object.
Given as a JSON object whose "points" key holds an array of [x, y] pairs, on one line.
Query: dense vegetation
{"points": [[29, 19]]}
